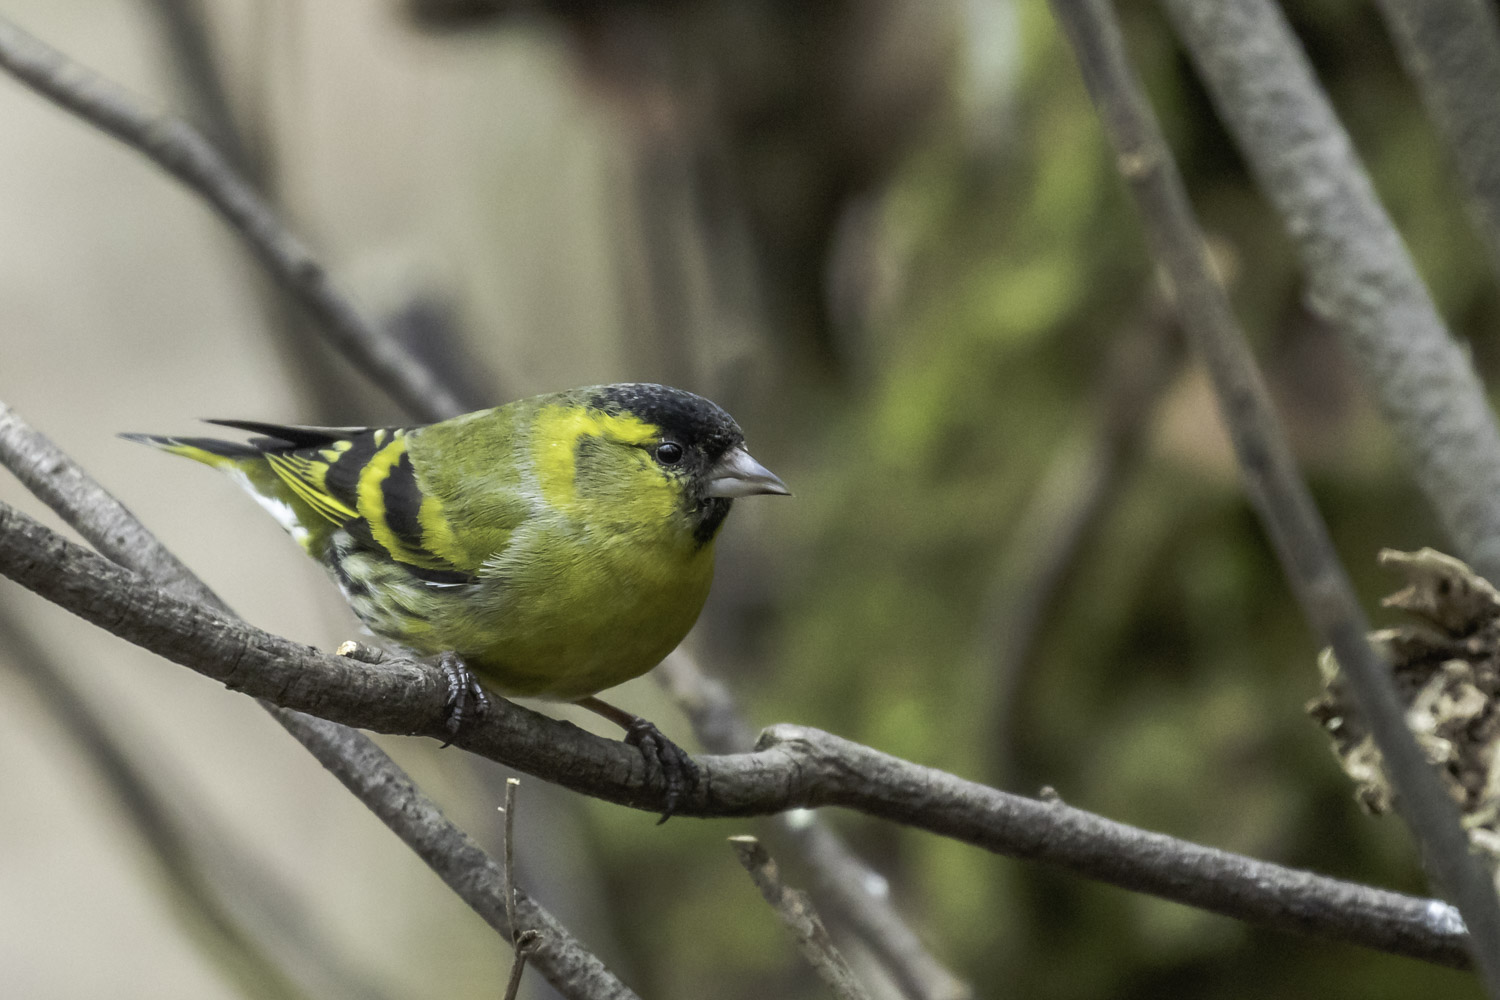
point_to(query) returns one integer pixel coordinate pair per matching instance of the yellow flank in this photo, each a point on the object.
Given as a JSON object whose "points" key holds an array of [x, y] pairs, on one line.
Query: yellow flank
{"points": [[557, 431]]}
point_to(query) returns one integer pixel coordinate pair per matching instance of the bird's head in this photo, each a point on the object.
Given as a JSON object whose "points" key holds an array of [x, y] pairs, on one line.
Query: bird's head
{"points": [[644, 452]]}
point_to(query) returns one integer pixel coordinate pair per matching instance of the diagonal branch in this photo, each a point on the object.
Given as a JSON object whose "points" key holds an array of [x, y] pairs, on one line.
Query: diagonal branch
{"points": [[793, 766], [1275, 486], [1359, 274], [182, 151], [1451, 48], [350, 756]]}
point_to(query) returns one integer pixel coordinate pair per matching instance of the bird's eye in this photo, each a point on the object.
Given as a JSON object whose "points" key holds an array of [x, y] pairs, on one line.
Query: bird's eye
{"points": [[669, 453]]}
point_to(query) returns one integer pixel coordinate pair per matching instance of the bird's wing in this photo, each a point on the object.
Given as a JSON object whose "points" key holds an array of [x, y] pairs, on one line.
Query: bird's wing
{"points": [[362, 479]]}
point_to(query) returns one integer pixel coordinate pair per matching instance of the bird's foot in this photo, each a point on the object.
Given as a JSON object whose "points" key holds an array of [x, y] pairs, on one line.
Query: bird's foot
{"points": [[466, 698], [678, 771]]}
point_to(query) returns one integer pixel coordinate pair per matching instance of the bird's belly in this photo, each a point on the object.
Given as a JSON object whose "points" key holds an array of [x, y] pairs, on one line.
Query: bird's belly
{"points": [[562, 622]]}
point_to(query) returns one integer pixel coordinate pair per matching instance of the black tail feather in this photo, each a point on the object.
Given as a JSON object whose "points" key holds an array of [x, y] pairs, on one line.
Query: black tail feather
{"points": [[228, 449], [285, 437]]}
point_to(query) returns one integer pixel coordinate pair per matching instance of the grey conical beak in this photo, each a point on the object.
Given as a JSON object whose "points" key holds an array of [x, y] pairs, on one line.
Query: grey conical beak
{"points": [[739, 475]]}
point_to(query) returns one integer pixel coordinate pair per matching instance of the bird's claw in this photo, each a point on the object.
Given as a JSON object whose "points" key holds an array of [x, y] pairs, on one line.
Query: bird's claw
{"points": [[465, 696], [678, 771]]}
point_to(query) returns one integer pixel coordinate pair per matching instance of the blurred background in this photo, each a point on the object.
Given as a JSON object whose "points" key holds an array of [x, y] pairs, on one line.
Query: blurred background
{"points": [[886, 235]]}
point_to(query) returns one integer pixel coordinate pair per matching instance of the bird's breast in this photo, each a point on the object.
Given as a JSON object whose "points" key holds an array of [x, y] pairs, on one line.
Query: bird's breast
{"points": [[573, 609]]}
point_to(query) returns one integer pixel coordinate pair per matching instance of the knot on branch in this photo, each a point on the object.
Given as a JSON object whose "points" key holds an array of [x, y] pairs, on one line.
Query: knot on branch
{"points": [[1445, 660]]}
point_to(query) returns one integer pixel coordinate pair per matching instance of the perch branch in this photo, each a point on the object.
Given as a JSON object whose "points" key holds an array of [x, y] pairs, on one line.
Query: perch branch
{"points": [[793, 767]]}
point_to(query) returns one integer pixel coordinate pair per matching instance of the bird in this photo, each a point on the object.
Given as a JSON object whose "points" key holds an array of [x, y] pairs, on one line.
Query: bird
{"points": [[551, 547]]}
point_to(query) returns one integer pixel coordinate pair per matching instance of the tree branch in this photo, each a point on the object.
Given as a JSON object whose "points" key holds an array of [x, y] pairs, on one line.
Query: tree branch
{"points": [[1281, 498], [350, 756], [1359, 273], [181, 150], [793, 767], [795, 910], [1451, 49]]}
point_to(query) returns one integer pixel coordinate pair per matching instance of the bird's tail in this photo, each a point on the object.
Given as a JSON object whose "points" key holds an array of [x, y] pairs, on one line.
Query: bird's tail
{"points": [[209, 451], [247, 465]]}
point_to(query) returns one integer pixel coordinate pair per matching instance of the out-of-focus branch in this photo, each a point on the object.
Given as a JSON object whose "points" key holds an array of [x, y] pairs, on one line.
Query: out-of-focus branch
{"points": [[1275, 486], [1359, 273], [796, 912], [181, 150], [350, 756], [1451, 48], [1059, 519], [421, 321], [246, 140], [850, 892], [793, 767], [185, 28], [204, 916]]}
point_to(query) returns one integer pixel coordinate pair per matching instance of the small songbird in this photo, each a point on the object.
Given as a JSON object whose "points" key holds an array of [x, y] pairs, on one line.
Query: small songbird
{"points": [[555, 546]]}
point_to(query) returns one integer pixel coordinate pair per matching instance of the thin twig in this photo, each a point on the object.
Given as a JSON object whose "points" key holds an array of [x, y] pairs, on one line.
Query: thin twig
{"points": [[1276, 488], [1451, 48], [1359, 273], [509, 888], [350, 756], [794, 767], [526, 943], [523, 941], [796, 911], [846, 887], [181, 150]]}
